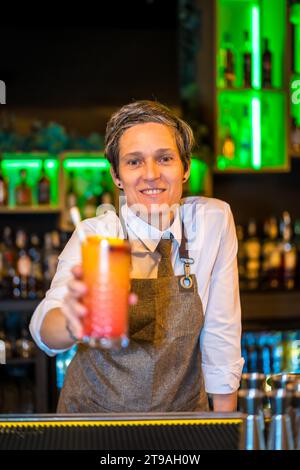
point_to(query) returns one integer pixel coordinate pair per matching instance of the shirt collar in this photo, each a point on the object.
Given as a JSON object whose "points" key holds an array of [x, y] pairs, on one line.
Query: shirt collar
{"points": [[148, 234]]}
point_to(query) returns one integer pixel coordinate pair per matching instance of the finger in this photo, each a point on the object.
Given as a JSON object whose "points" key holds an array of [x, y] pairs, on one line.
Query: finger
{"points": [[73, 307], [76, 288], [76, 329], [74, 323], [132, 299], [77, 271]]}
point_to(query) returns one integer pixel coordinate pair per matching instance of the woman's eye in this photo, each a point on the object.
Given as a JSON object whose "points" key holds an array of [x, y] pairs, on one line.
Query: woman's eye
{"points": [[133, 162], [166, 158]]}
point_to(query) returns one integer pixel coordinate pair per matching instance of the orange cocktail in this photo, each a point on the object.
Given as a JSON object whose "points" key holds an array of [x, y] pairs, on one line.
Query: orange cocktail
{"points": [[106, 268]]}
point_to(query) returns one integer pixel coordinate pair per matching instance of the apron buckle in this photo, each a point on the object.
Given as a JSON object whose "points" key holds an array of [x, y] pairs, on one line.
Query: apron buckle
{"points": [[186, 281]]}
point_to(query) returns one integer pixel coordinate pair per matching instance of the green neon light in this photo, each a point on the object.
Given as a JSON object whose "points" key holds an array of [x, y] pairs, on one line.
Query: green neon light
{"points": [[256, 133], [21, 164], [197, 178], [297, 49], [86, 163], [256, 70], [295, 13]]}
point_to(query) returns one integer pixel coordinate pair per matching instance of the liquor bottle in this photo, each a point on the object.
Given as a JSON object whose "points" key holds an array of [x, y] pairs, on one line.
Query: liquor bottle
{"points": [[44, 188], [3, 190], [289, 253], [35, 280], [71, 198], [241, 257], [228, 58], [268, 138], [23, 267], [266, 65], [106, 195], [295, 137], [228, 145], [8, 260], [297, 243], [246, 139], [5, 339], [50, 258], [247, 61], [89, 203], [271, 255], [23, 190], [253, 251], [24, 346]]}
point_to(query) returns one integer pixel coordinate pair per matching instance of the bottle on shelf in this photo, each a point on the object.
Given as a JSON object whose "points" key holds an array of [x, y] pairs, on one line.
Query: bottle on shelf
{"points": [[50, 259], [89, 199], [228, 145], [23, 191], [106, 197], [271, 255], [3, 190], [44, 188], [253, 252], [289, 253], [267, 133], [71, 197], [265, 351], [266, 65], [227, 61], [20, 281], [35, 281], [246, 139], [297, 243], [295, 137], [247, 61], [7, 342], [8, 263], [24, 346]]}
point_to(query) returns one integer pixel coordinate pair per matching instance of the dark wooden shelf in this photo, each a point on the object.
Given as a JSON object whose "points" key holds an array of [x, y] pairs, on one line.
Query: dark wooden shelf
{"points": [[19, 361], [271, 306], [18, 305], [244, 89], [30, 210]]}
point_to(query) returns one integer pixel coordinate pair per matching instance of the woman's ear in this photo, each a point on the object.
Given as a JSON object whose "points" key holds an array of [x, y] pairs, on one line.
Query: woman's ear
{"points": [[116, 180], [187, 174]]}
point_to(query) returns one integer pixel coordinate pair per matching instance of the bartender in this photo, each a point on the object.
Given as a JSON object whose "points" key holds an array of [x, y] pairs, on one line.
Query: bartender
{"points": [[185, 315]]}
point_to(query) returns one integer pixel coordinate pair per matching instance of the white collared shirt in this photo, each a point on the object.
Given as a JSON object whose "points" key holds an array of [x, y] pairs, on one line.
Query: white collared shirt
{"points": [[212, 242]]}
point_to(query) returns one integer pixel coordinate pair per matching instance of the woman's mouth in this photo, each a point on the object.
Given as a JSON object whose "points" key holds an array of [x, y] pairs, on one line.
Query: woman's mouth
{"points": [[152, 191]]}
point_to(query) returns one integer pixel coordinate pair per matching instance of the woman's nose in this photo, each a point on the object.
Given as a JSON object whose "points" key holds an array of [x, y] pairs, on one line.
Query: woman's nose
{"points": [[151, 171]]}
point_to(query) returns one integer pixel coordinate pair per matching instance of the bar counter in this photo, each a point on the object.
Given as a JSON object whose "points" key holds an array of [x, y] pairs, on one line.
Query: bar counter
{"points": [[132, 431]]}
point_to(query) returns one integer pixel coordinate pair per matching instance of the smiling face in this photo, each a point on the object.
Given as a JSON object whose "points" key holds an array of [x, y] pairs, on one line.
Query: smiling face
{"points": [[151, 172]]}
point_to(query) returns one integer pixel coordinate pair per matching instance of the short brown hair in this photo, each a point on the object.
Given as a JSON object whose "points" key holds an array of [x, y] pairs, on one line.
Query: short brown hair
{"points": [[140, 112]]}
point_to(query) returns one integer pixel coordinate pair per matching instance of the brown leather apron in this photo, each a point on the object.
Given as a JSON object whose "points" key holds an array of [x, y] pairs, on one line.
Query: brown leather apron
{"points": [[160, 370]]}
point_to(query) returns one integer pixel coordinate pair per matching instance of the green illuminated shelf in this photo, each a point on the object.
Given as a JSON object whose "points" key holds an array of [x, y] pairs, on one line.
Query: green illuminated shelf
{"points": [[251, 86], [30, 210], [33, 162]]}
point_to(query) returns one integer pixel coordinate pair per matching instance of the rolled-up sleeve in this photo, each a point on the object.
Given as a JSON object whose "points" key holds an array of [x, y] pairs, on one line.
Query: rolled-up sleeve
{"points": [[58, 289], [220, 341], [106, 224]]}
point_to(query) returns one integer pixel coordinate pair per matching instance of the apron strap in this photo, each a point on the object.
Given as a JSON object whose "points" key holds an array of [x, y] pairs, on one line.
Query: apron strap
{"points": [[183, 251]]}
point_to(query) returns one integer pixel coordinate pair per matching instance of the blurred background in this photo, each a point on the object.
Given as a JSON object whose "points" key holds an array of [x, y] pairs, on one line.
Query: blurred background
{"points": [[231, 68]]}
